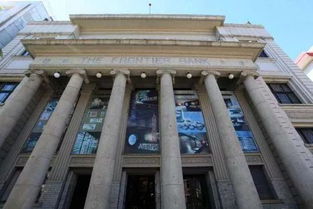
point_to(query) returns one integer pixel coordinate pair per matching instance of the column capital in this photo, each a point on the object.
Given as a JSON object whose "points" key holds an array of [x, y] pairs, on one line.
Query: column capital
{"points": [[80, 71], [205, 73], [247, 73], [163, 71], [123, 71], [41, 73]]}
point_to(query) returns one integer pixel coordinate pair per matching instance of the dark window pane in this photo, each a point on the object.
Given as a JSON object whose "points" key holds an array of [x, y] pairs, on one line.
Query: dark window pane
{"points": [[263, 54], [3, 96], [285, 88], [276, 87], [293, 98], [283, 98], [8, 87], [262, 185], [142, 135], [190, 123], [306, 134]]}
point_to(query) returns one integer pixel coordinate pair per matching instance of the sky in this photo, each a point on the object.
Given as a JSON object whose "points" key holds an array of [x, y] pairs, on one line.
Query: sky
{"points": [[289, 21]]}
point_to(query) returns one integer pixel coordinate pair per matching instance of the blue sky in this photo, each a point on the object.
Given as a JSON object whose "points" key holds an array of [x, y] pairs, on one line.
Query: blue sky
{"points": [[289, 21]]}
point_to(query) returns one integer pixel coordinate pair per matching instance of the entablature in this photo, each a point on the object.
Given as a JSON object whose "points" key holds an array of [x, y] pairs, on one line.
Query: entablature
{"points": [[138, 64], [93, 47]]}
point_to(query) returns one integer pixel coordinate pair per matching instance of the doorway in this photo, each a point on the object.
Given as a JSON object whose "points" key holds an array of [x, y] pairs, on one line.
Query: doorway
{"points": [[140, 192], [196, 192], [80, 192]]}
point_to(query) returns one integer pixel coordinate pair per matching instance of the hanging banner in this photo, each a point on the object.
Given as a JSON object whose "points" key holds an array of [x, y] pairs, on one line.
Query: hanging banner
{"points": [[142, 134], [190, 123]]}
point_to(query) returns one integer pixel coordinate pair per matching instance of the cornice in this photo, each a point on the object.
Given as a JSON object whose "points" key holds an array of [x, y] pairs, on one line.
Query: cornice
{"points": [[74, 17], [43, 47], [141, 22]]}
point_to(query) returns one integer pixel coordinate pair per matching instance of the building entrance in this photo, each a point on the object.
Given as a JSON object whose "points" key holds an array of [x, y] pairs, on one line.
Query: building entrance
{"points": [[140, 192], [80, 192], [196, 192]]}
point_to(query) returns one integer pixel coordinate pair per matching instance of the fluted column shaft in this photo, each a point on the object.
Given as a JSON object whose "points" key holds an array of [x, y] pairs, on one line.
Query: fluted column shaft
{"points": [[16, 104], [244, 188], [33, 175], [172, 184], [296, 166], [98, 196]]}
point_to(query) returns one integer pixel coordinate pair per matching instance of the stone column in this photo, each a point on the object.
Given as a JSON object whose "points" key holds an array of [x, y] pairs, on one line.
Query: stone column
{"points": [[244, 188], [16, 104], [98, 196], [291, 155], [28, 184], [172, 184]]}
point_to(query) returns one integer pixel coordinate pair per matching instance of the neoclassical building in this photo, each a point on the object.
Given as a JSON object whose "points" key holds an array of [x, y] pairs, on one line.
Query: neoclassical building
{"points": [[153, 112]]}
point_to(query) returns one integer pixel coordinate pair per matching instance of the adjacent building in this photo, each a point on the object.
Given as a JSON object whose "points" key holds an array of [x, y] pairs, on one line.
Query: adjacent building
{"points": [[153, 112], [15, 15], [304, 61]]}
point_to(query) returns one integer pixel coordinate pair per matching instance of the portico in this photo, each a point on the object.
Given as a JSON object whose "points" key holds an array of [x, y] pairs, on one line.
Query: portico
{"points": [[166, 134]]}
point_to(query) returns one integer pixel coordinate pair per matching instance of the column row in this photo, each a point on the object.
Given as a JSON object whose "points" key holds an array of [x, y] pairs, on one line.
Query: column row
{"points": [[28, 184]]}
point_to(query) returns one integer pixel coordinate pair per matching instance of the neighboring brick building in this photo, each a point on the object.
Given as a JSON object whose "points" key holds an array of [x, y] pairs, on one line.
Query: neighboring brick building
{"points": [[153, 111]]}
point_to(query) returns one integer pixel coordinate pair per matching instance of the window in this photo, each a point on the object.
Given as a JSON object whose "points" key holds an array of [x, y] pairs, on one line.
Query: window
{"points": [[25, 53], [38, 128], [306, 134], [91, 125], [142, 135], [263, 187], [5, 90], [242, 129], [283, 93], [190, 123], [263, 54]]}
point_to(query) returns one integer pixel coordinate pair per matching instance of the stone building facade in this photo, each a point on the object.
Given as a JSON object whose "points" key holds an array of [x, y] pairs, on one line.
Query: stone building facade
{"points": [[153, 111], [14, 16]]}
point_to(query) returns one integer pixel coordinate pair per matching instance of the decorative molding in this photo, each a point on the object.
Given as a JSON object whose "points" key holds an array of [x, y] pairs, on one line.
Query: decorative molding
{"points": [[197, 160], [299, 113], [85, 161], [22, 159], [254, 158], [106, 63], [141, 161]]}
